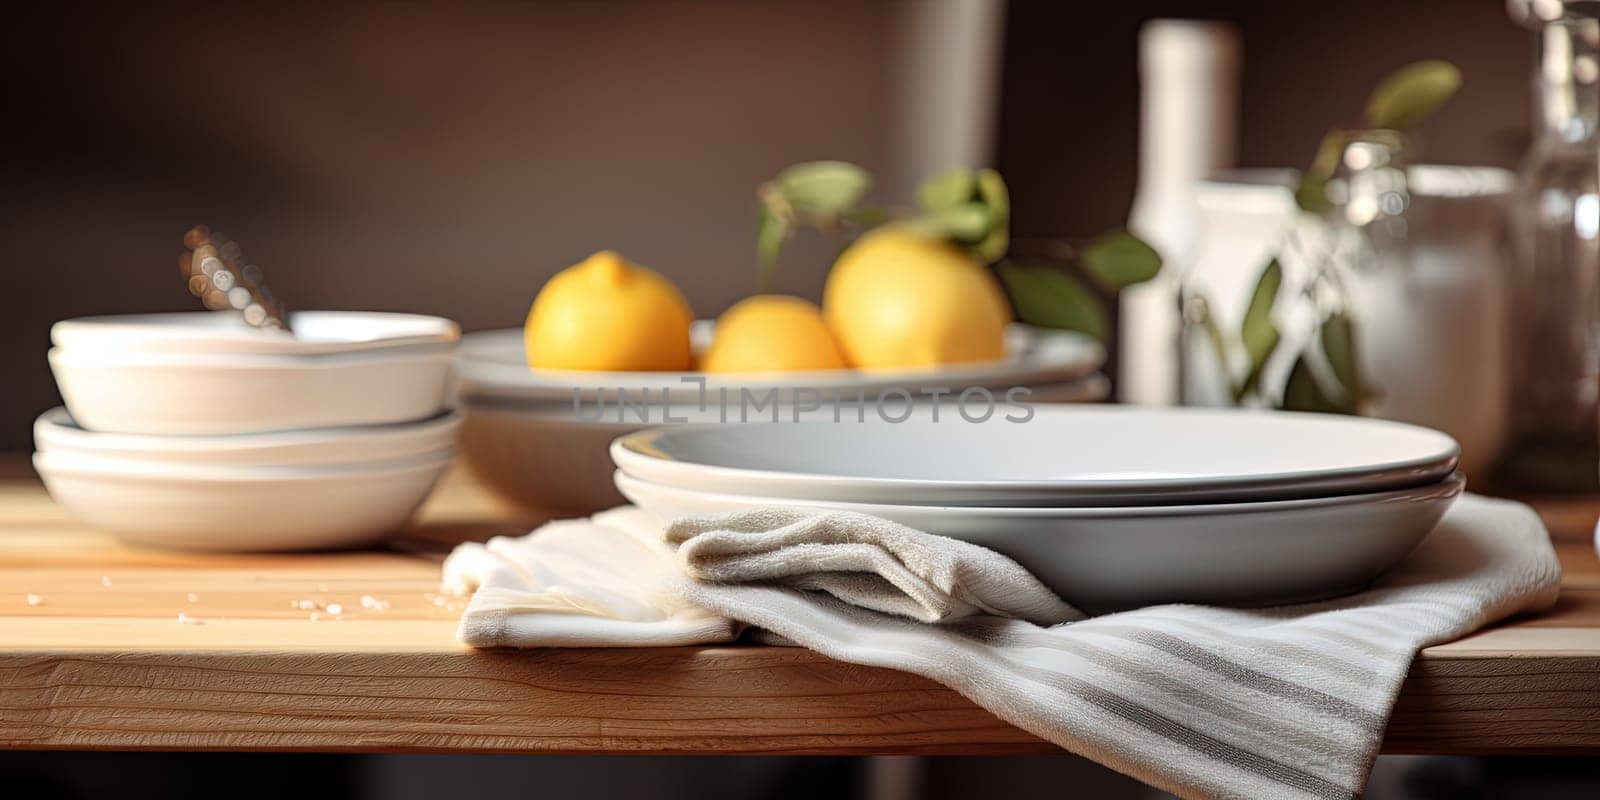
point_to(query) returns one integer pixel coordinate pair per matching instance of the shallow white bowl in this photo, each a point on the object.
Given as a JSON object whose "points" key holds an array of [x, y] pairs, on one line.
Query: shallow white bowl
{"points": [[1102, 559], [543, 457], [200, 394], [315, 333], [494, 364], [55, 432], [1061, 456], [240, 509]]}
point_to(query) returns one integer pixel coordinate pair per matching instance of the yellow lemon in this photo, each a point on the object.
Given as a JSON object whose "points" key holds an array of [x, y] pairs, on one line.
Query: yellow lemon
{"points": [[606, 313], [898, 299], [772, 333]]}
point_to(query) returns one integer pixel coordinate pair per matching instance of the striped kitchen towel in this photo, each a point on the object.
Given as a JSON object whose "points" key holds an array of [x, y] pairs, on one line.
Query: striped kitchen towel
{"points": [[1286, 702]]}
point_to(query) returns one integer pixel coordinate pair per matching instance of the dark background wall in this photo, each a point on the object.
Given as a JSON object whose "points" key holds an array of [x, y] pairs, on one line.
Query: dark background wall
{"points": [[1069, 109], [448, 158]]}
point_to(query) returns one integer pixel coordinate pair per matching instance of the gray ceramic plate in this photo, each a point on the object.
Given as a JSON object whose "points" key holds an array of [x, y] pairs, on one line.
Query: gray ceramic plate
{"points": [[1060, 456], [1102, 559]]}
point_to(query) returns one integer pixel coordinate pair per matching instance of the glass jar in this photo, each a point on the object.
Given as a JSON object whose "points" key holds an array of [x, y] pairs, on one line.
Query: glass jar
{"points": [[1410, 258], [1555, 349]]}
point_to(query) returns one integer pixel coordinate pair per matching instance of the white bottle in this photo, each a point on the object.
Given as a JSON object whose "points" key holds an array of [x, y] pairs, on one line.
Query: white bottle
{"points": [[1189, 72]]}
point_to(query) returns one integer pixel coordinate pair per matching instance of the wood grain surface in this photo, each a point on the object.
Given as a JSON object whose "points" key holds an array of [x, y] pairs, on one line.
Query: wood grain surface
{"points": [[356, 652]]}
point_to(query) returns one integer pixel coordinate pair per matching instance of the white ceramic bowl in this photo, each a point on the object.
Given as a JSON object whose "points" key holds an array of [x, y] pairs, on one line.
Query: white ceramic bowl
{"points": [[1103, 559], [55, 432], [240, 509], [494, 364], [1060, 456], [202, 394], [224, 332], [543, 457]]}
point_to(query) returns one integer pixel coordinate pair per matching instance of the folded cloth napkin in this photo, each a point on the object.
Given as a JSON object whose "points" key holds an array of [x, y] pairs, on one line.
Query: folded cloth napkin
{"points": [[602, 582], [1284, 702]]}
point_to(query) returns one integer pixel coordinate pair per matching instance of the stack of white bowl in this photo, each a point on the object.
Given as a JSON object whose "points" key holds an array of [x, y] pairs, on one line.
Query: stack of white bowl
{"points": [[539, 438], [195, 431], [1112, 507]]}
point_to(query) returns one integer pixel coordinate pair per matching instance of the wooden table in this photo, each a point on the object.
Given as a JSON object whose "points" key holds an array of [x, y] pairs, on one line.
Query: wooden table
{"points": [[108, 647]]}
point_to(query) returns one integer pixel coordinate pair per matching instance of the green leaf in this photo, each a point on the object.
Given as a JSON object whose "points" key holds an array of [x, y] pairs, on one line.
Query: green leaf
{"points": [[993, 247], [1408, 95], [1050, 298], [824, 187], [964, 222], [1339, 346], [1312, 192], [772, 230], [992, 192], [867, 216], [972, 209], [1311, 195], [1257, 330], [1302, 393], [947, 189], [1329, 151], [1118, 259]]}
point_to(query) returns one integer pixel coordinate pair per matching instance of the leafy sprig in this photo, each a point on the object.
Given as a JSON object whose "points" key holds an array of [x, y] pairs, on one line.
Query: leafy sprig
{"points": [[1401, 101], [1072, 289], [971, 209], [1325, 375], [823, 194]]}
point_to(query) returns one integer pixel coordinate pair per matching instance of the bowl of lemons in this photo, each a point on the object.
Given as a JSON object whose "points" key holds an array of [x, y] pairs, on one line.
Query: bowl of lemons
{"points": [[908, 324], [919, 316]]}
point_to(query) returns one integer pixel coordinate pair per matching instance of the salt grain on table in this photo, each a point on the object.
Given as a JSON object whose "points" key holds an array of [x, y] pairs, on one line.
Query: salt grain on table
{"points": [[34, 599]]}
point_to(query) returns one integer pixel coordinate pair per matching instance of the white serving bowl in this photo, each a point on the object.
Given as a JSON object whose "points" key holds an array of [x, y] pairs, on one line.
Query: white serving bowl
{"points": [[494, 364], [202, 394], [225, 332], [521, 436], [241, 509], [1105, 559], [543, 457], [55, 432]]}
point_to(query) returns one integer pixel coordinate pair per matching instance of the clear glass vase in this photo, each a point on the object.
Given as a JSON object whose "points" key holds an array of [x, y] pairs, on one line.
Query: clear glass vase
{"points": [[1406, 269], [1555, 347]]}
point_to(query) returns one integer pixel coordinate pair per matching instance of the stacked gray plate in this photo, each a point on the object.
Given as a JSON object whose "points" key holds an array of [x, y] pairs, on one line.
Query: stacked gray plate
{"points": [[1113, 507]]}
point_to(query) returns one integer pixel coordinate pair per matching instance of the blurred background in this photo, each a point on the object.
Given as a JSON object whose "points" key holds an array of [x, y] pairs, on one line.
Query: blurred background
{"points": [[449, 158]]}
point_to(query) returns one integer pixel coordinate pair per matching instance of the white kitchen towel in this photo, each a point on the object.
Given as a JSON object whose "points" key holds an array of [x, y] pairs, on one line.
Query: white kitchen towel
{"points": [[600, 582], [1286, 702]]}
